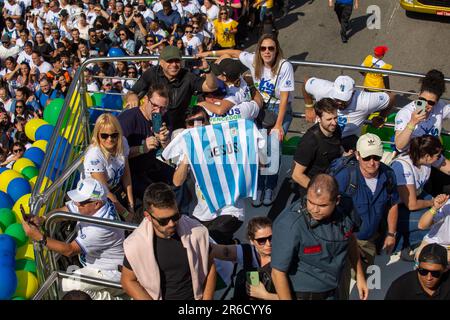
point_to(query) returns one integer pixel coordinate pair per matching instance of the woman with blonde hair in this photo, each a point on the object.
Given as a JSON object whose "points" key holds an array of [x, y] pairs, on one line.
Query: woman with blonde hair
{"points": [[107, 160]]}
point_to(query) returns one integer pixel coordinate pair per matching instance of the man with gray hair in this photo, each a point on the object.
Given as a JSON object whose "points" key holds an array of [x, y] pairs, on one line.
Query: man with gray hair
{"points": [[311, 241]]}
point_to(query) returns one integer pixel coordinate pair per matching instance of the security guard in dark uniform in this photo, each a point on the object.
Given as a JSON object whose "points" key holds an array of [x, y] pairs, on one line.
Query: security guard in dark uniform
{"points": [[311, 240]]}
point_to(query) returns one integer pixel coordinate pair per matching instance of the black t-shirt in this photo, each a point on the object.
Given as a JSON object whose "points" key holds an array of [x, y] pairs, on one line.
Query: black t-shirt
{"points": [[408, 287], [175, 274], [180, 92], [316, 151]]}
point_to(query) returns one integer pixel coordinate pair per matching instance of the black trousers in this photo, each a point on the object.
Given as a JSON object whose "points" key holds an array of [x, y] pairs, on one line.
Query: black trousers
{"points": [[343, 12], [223, 228]]}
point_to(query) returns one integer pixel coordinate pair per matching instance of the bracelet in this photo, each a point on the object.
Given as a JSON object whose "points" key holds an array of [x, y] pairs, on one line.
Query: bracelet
{"points": [[141, 149], [392, 234], [309, 105], [125, 214], [411, 127], [432, 210]]}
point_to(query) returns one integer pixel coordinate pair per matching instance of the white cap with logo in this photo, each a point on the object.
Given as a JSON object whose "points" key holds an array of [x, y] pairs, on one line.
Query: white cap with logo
{"points": [[88, 189], [369, 144], [343, 88]]}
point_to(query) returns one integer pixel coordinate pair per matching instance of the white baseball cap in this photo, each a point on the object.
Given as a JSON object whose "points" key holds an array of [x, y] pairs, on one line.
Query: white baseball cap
{"points": [[369, 144], [343, 88], [88, 189]]}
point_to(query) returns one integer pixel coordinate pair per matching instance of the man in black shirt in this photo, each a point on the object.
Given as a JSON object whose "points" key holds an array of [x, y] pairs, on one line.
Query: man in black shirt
{"points": [[182, 85], [429, 282], [167, 257], [318, 147]]}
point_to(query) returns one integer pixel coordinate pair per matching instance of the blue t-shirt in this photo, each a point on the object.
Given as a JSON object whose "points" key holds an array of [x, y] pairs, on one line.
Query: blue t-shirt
{"points": [[344, 1]]}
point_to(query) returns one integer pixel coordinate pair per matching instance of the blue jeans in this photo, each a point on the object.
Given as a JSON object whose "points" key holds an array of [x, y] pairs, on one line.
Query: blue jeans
{"points": [[270, 182], [408, 232]]}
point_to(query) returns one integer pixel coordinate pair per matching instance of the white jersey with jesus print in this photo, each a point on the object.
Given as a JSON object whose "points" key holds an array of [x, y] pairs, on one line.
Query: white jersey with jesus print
{"points": [[266, 84], [432, 125], [361, 105], [224, 160]]}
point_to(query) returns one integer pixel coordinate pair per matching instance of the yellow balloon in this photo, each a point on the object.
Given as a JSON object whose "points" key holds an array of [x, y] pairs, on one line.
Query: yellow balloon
{"points": [[32, 126], [24, 201], [75, 102], [25, 252], [69, 134], [22, 163], [27, 284], [45, 183], [6, 177], [41, 144]]}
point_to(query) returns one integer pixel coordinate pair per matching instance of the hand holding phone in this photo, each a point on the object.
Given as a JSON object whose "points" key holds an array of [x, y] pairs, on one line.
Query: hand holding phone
{"points": [[156, 122], [253, 278], [420, 105]]}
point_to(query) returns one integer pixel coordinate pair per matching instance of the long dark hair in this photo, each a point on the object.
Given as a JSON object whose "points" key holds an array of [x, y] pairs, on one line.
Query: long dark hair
{"points": [[422, 146]]}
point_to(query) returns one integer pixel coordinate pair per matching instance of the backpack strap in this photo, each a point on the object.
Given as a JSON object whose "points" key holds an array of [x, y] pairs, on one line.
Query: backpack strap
{"points": [[352, 179]]}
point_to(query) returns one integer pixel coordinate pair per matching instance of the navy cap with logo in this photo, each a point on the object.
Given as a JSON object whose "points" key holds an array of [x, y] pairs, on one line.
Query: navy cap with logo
{"points": [[434, 253]]}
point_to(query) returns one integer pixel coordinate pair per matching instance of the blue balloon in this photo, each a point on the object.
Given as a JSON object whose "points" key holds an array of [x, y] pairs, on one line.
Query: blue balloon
{"points": [[3, 169], [111, 101], [7, 260], [61, 152], [116, 52], [7, 245], [18, 187], [36, 155], [6, 201], [8, 283], [93, 115], [44, 132]]}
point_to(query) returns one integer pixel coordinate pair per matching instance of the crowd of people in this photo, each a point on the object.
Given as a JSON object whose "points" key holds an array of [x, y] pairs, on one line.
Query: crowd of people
{"points": [[182, 170]]}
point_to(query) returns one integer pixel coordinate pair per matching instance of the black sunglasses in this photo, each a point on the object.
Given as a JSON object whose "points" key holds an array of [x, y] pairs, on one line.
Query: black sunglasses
{"points": [[17, 150], [424, 272], [105, 136], [188, 31], [165, 221], [262, 241], [19, 106], [270, 48], [375, 158], [191, 122], [430, 102]]}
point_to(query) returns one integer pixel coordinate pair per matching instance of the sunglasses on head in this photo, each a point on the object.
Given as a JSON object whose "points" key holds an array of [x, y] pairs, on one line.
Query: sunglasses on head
{"points": [[192, 121], [165, 221], [372, 157], [430, 102], [270, 48], [105, 136], [17, 150], [262, 241], [425, 272]]}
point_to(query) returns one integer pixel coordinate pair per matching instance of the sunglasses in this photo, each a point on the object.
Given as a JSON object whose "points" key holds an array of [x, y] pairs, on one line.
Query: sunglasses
{"points": [[191, 122], [262, 241], [188, 31], [223, 13], [263, 48], [373, 157], [425, 272], [122, 34], [165, 221], [85, 202], [113, 136], [131, 72], [17, 150], [430, 102], [150, 40], [19, 106]]}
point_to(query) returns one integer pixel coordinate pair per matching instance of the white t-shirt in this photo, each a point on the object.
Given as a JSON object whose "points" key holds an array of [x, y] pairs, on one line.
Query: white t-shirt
{"points": [[95, 161], [212, 13], [239, 94], [13, 10], [44, 67], [266, 85], [53, 18], [407, 173], [102, 247], [432, 125], [24, 57], [440, 230], [192, 45], [157, 6], [245, 110], [361, 105], [372, 184]]}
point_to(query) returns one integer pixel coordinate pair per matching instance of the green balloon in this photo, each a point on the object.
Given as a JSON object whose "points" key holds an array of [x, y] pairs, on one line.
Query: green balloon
{"points": [[7, 217], [97, 98], [52, 111], [16, 231], [30, 172], [19, 298], [26, 264]]}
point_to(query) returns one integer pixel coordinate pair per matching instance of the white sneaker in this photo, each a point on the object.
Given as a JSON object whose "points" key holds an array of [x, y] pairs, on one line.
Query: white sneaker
{"points": [[268, 197], [258, 201]]}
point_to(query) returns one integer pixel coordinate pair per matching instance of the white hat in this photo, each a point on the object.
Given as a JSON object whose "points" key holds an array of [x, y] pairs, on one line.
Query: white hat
{"points": [[369, 145], [343, 88], [88, 189]]}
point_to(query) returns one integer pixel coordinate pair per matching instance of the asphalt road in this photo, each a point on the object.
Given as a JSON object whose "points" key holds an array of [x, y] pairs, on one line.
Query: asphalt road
{"points": [[417, 44]]}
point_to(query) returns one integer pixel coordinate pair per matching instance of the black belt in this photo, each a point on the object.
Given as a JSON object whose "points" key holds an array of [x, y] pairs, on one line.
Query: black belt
{"points": [[315, 295]]}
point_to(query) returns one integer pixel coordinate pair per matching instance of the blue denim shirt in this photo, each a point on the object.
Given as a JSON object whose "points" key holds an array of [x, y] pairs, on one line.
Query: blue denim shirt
{"points": [[370, 208]]}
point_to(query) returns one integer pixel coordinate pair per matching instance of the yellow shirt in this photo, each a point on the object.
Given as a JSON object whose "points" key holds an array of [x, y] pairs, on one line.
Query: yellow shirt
{"points": [[375, 80], [225, 40]]}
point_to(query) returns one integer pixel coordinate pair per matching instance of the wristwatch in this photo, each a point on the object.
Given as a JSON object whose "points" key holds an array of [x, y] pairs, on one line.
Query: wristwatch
{"points": [[392, 234], [43, 241]]}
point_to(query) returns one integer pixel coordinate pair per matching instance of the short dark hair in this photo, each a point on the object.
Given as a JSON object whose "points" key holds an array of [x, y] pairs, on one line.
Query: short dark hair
{"points": [[257, 223], [159, 195], [160, 89], [433, 82], [324, 182], [76, 295], [422, 146], [192, 111], [327, 105]]}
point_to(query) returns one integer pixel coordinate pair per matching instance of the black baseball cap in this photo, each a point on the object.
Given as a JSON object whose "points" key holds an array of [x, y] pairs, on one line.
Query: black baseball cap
{"points": [[434, 253], [230, 68]]}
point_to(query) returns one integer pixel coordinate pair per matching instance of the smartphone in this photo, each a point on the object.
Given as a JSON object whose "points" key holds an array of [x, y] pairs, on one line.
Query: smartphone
{"points": [[420, 105], [253, 278], [156, 122]]}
